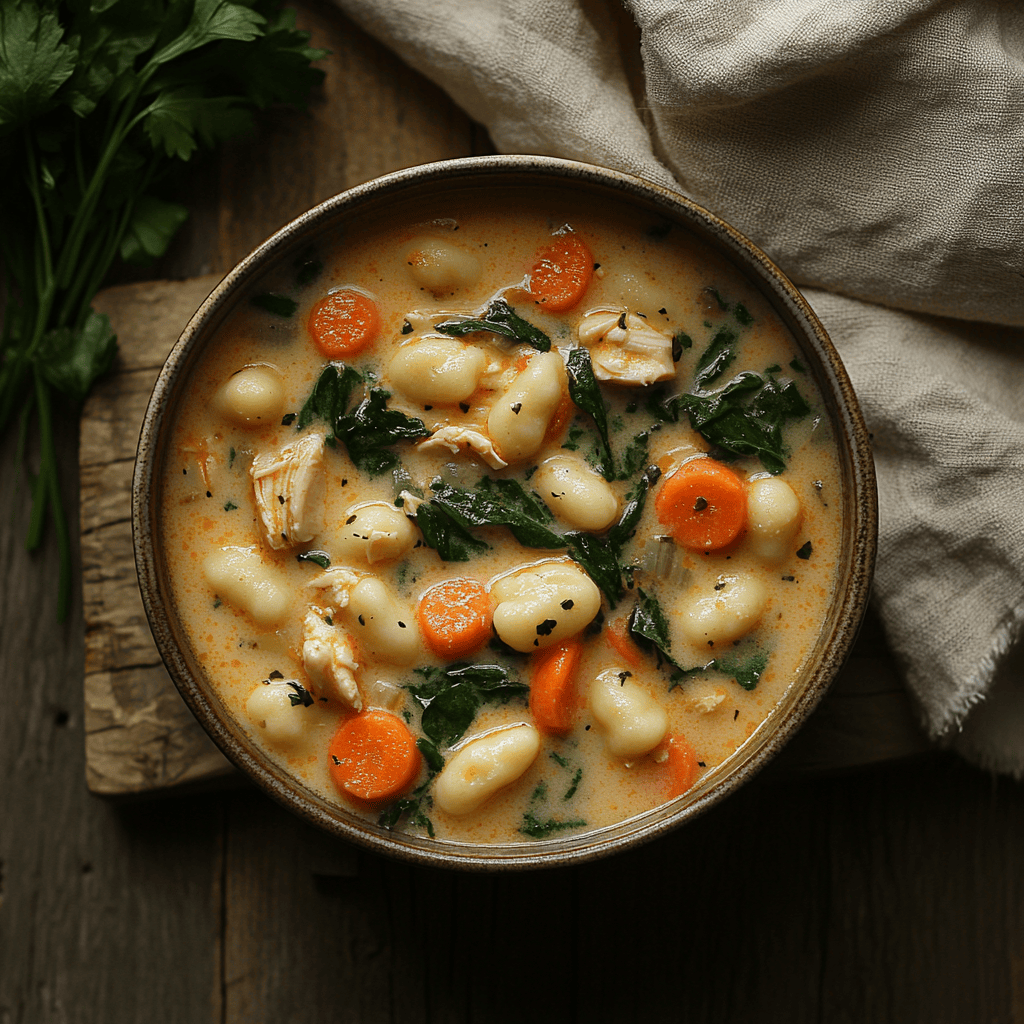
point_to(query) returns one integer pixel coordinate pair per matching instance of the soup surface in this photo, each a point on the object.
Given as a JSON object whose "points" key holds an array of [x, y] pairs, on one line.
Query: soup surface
{"points": [[506, 520]]}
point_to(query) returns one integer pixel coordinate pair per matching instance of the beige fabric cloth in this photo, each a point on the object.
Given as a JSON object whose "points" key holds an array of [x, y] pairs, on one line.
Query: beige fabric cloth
{"points": [[876, 152]]}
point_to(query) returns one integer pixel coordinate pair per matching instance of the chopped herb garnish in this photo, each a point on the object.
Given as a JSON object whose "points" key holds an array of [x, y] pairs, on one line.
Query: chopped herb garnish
{"points": [[797, 366], [574, 785], [805, 551], [742, 315], [558, 759], [301, 695], [288, 419], [279, 305], [229, 506], [320, 558], [499, 318]]}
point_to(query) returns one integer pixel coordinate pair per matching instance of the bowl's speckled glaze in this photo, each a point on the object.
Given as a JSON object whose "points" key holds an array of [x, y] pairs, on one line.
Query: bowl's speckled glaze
{"points": [[859, 524]]}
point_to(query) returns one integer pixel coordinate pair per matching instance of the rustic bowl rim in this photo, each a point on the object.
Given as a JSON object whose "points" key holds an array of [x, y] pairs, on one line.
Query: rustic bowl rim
{"points": [[860, 537]]}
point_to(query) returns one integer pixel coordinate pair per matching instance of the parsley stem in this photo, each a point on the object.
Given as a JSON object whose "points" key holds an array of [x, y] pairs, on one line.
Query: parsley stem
{"points": [[46, 492]]}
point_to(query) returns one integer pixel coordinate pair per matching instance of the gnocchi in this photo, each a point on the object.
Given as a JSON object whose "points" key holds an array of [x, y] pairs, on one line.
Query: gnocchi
{"points": [[483, 765], [729, 612], [542, 605], [773, 518], [241, 577], [441, 266], [469, 531], [252, 397], [576, 494], [374, 532], [519, 419], [632, 721], [441, 371]]}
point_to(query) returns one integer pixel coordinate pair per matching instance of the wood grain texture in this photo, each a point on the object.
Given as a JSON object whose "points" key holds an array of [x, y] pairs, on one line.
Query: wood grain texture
{"points": [[139, 736]]}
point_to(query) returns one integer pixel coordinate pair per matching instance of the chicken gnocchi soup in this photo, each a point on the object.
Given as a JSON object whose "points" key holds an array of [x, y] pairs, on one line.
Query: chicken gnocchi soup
{"points": [[505, 523]]}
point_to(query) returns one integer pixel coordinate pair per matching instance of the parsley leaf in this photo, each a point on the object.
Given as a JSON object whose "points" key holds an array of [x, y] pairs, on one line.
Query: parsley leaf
{"points": [[108, 98]]}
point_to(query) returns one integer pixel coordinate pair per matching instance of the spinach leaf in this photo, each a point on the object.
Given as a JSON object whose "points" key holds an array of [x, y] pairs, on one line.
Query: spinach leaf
{"points": [[624, 529], [649, 629], [499, 318], [746, 672], [586, 395], [536, 829], [715, 359], [479, 508], [370, 428], [513, 495], [330, 395], [448, 537], [272, 302], [746, 417], [452, 696], [600, 560]]}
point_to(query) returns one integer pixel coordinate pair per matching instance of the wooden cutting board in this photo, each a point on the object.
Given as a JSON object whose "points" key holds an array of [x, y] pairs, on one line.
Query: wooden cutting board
{"points": [[140, 738]]}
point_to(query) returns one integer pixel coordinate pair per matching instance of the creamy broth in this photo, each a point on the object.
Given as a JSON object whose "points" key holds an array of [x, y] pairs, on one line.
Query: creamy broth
{"points": [[447, 268]]}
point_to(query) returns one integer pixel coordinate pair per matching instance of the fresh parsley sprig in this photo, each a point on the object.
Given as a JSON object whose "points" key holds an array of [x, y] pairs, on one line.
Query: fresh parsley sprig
{"points": [[98, 103]]}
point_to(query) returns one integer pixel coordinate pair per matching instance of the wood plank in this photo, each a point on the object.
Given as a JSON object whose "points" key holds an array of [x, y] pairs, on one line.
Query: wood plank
{"points": [[139, 736]]}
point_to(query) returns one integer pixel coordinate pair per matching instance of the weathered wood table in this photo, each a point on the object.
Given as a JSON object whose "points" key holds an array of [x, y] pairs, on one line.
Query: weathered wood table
{"points": [[860, 878]]}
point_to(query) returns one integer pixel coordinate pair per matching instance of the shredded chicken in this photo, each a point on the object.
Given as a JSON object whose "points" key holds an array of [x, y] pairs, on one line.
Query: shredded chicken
{"points": [[329, 659], [410, 502], [457, 438], [282, 481], [625, 349], [706, 704], [334, 586]]}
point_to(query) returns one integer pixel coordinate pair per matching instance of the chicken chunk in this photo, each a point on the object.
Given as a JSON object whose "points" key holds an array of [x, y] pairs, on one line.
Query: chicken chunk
{"points": [[329, 659], [625, 349], [282, 481]]}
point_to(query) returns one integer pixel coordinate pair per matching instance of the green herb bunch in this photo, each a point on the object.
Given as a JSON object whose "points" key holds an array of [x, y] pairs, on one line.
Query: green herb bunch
{"points": [[100, 101]]}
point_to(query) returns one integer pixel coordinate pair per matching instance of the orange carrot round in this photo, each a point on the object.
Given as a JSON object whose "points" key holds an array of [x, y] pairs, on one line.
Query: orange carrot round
{"points": [[373, 756], [455, 617], [561, 273], [679, 764], [703, 504], [344, 323], [551, 686]]}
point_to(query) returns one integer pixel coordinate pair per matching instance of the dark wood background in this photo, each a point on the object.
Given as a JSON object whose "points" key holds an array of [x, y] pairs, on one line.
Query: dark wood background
{"points": [[894, 893]]}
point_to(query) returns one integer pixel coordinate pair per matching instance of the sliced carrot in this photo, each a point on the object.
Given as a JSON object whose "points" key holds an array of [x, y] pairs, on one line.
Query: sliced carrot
{"points": [[678, 760], [373, 756], [561, 273], [552, 700], [618, 638], [344, 323], [455, 617], [703, 504]]}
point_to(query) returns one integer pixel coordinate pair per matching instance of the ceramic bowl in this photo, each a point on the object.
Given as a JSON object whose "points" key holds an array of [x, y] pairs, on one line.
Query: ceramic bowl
{"points": [[859, 520]]}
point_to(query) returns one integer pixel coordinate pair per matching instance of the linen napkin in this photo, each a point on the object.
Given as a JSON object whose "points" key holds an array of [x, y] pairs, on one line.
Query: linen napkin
{"points": [[876, 153]]}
